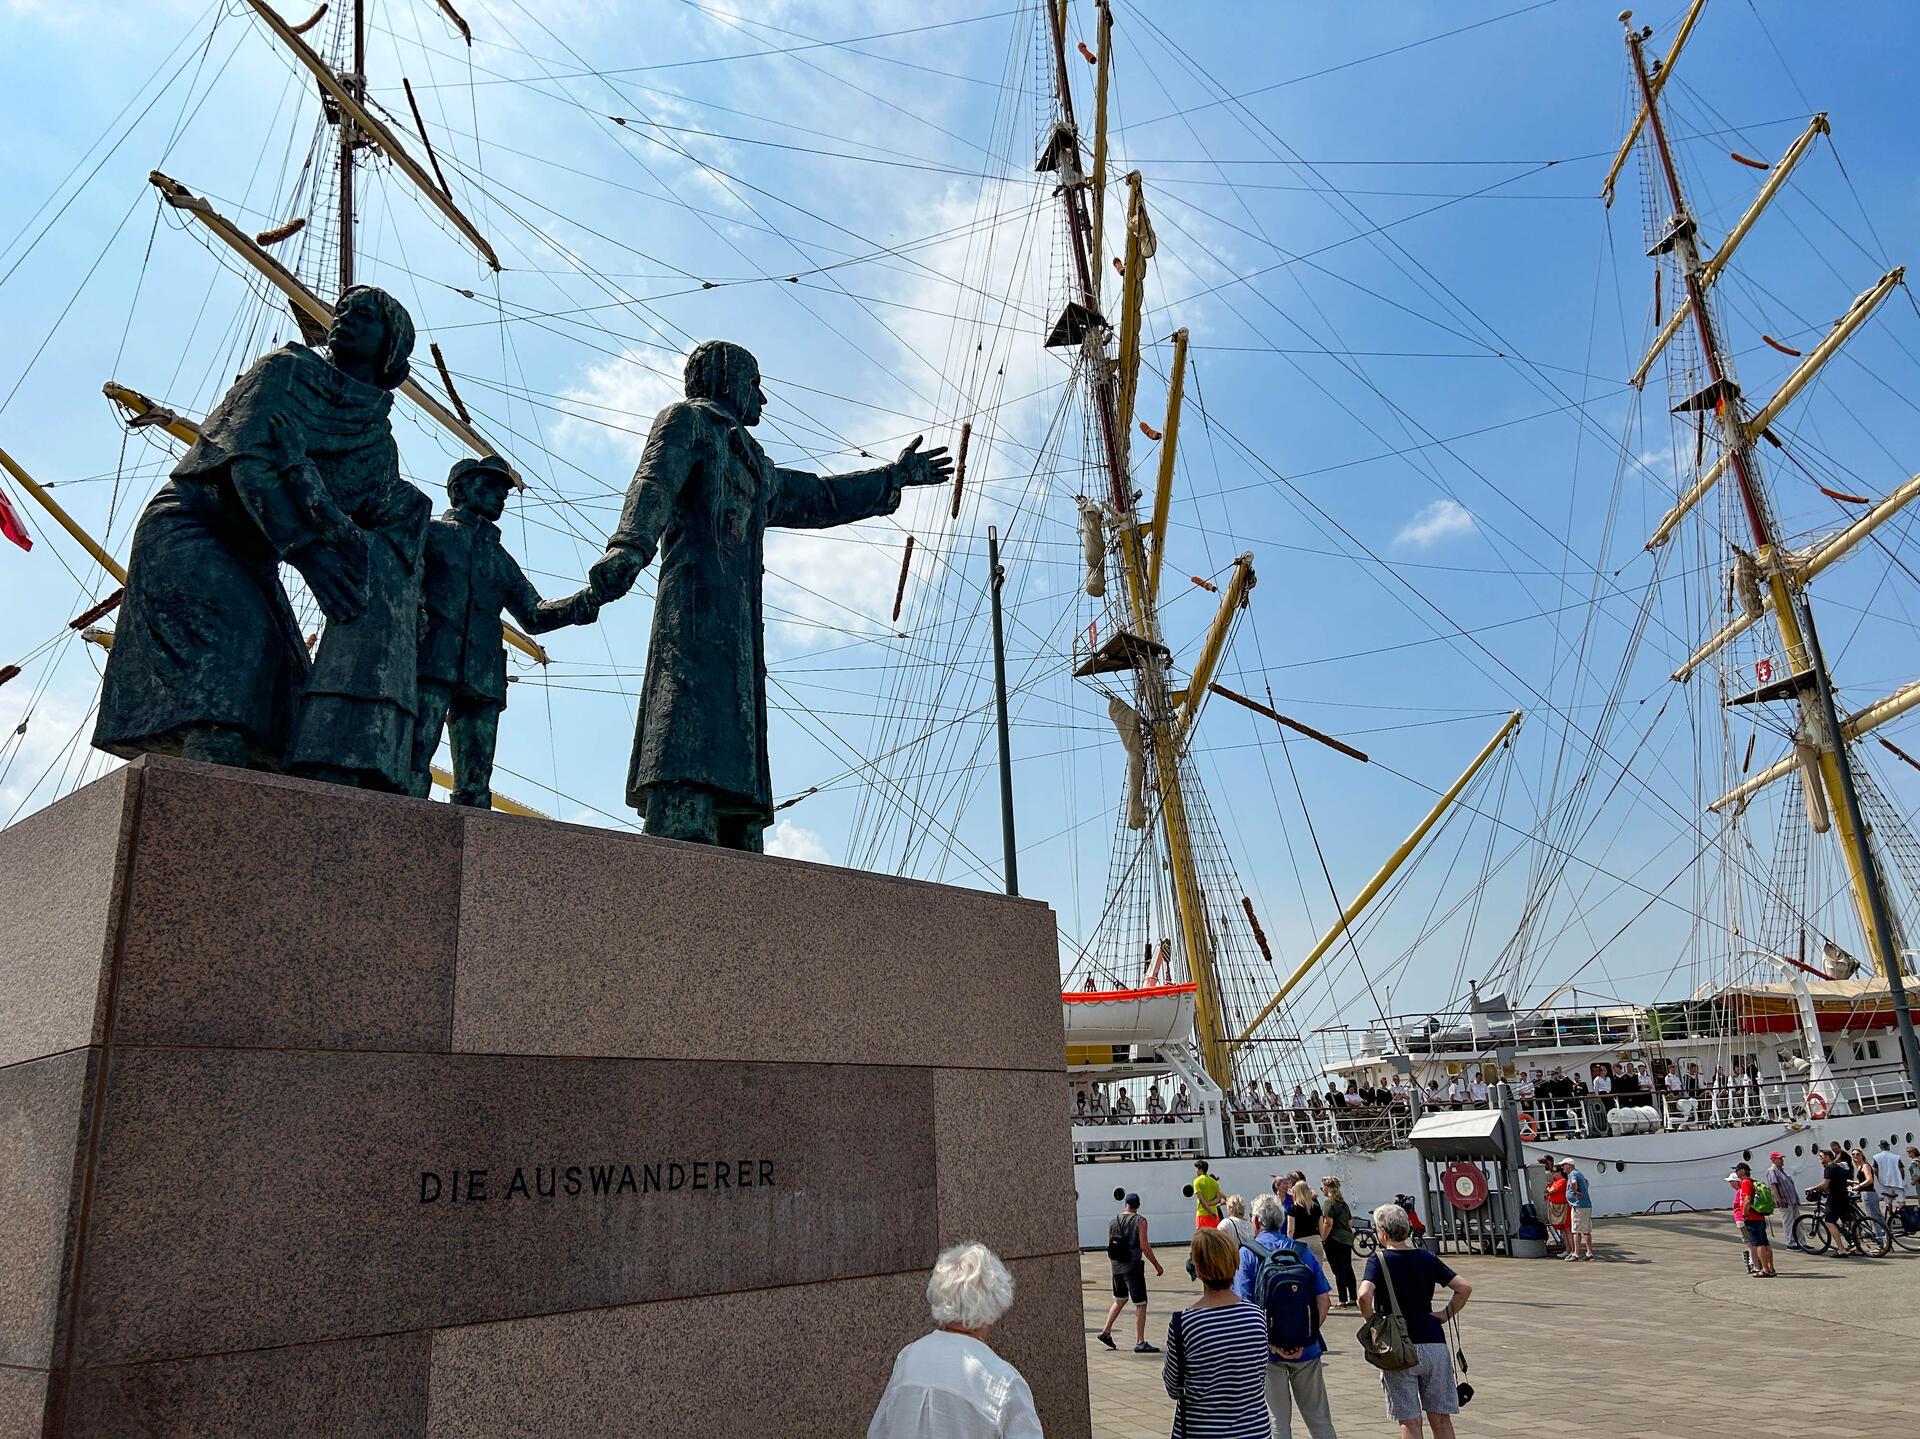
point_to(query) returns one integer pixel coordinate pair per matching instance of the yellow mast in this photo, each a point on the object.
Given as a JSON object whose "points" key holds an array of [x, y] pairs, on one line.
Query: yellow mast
{"points": [[1378, 882], [1163, 484], [66, 521], [1820, 730], [1111, 386]]}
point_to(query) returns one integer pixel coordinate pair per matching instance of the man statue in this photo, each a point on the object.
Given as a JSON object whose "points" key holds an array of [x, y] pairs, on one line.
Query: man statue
{"points": [[702, 498]]}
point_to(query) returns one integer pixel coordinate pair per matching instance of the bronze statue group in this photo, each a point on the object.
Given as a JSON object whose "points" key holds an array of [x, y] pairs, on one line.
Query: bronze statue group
{"points": [[297, 465]]}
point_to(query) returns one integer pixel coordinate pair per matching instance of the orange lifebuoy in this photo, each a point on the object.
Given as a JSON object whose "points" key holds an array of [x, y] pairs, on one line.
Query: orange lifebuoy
{"points": [[1527, 1130], [1816, 1106]]}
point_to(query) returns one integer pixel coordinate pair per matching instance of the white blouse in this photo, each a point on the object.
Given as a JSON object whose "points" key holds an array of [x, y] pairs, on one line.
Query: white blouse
{"points": [[952, 1386]]}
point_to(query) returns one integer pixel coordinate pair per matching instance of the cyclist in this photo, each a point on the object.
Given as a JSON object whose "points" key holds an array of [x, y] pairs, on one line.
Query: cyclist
{"points": [[1836, 1206]]}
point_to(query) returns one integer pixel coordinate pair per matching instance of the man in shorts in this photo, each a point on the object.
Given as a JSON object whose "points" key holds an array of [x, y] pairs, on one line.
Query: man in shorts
{"points": [[1753, 1224], [1128, 1232], [1579, 1213]]}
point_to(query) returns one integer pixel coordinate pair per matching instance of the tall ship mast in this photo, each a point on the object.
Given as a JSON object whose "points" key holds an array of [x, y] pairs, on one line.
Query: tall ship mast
{"points": [[1767, 580]]}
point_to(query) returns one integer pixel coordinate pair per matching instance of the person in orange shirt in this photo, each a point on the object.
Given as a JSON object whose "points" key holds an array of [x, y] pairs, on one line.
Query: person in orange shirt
{"points": [[1558, 1216]]}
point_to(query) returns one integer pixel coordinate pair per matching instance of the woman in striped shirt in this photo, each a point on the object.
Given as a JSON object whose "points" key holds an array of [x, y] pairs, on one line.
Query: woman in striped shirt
{"points": [[1216, 1367]]}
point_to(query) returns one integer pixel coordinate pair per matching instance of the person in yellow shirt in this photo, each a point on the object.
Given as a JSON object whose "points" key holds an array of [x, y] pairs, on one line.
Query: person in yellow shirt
{"points": [[1207, 1205]]}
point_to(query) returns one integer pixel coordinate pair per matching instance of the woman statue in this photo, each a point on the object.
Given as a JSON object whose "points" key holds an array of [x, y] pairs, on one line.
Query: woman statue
{"points": [[296, 463]]}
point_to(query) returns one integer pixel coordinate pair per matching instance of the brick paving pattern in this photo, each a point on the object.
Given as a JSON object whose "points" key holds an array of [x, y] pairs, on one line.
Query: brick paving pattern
{"points": [[1662, 1337]]}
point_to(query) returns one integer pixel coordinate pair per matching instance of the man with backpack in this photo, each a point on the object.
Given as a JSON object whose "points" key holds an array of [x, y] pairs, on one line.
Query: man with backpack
{"points": [[1282, 1279], [1752, 1203], [1129, 1252]]}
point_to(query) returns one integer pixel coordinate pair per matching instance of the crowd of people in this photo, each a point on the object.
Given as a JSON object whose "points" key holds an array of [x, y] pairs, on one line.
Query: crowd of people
{"points": [[1247, 1358]]}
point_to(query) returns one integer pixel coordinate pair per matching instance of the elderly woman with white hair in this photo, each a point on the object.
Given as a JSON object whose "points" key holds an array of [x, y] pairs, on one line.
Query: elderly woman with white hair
{"points": [[949, 1384]]}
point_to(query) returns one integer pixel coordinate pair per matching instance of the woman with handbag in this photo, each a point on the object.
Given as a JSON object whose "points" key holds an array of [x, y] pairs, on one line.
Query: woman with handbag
{"points": [[1216, 1365], [1403, 1337]]}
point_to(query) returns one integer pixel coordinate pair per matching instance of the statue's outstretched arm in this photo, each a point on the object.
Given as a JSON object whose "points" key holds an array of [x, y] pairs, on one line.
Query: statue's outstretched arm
{"points": [[815, 502], [535, 615]]}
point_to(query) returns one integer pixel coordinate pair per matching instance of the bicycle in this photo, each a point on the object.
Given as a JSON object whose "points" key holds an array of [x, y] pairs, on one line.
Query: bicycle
{"points": [[1868, 1236], [1903, 1235]]}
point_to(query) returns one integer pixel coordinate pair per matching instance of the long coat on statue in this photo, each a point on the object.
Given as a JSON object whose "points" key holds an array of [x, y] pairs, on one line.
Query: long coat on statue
{"points": [[205, 634], [704, 496]]}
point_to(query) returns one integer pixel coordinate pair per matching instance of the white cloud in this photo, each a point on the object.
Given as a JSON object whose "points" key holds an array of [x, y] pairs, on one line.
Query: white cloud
{"points": [[790, 841], [53, 757], [615, 403], [1441, 520]]}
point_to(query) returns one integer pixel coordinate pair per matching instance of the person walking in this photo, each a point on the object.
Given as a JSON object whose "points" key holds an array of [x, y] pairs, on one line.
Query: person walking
{"points": [[1215, 1369], [1129, 1252], [1786, 1196], [1207, 1207], [1752, 1203], [949, 1384], [1336, 1235], [1889, 1182], [1402, 1280], [1579, 1213], [1286, 1284]]}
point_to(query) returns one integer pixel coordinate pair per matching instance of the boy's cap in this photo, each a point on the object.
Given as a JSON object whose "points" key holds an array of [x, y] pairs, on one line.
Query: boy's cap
{"points": [[479, 464]]}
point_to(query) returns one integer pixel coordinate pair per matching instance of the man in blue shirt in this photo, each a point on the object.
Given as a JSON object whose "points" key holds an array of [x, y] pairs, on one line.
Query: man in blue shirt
{"points": [[1293, 1376], [1579, 1213]]}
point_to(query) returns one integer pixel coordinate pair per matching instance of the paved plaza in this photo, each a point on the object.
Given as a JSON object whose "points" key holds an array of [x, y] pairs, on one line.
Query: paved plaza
{"points": [[1662, 1337]]}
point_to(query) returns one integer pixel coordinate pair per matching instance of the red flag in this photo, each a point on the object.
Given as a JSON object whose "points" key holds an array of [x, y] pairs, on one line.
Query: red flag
{"points": [[11, 527]]}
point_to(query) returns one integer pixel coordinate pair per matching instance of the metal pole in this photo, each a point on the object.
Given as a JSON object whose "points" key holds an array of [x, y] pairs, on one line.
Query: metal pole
{"points": [[1890, 961], [995, 580]]}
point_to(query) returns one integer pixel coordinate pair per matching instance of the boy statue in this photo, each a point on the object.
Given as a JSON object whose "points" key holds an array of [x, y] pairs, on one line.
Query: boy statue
{"points": [[470, 578]]}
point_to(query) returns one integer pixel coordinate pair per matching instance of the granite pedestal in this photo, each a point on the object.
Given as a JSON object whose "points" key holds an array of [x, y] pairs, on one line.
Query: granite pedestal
{"points": [[332, 1113]]}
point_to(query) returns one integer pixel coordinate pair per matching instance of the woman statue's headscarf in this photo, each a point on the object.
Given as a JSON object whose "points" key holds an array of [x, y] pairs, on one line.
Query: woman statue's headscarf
{"points": [[390, 367]]}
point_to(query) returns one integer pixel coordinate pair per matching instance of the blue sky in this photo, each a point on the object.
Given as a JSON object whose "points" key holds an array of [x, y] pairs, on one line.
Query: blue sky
{"points": [[1410, 320]]}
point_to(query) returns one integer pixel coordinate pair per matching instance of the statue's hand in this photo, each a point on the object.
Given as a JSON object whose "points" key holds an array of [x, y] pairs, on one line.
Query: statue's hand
{"points": [[613, 574], [923, 467], [337, 575], [583, 608]]}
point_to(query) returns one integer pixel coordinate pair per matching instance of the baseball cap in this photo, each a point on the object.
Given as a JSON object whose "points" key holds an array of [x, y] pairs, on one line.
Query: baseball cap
{"points": [[1776, 1156], [1133, 1201]]}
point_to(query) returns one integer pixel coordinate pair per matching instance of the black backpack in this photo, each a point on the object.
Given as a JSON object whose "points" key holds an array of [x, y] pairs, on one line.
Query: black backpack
{"points": [[1283, 1289], [1123, 1238]]}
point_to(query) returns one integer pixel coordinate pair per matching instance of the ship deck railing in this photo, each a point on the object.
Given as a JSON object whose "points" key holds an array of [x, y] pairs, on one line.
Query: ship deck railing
{"points": [[1116, 1137], [1451, 1036], [1274, 1132]]}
